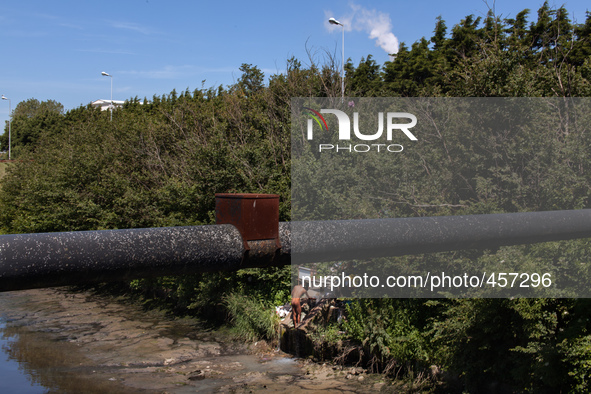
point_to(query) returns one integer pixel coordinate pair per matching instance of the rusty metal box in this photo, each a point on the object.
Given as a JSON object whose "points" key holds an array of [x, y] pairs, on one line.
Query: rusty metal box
{"points": [[256, 216]]}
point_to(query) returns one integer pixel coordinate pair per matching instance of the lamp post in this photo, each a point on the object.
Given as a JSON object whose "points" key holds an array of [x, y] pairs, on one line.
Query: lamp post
{"points": [[333, 21], [9, 122], [110, 106]]}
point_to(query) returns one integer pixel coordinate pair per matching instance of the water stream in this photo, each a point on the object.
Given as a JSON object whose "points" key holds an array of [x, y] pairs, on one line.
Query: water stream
{"points": [[56, 341]]}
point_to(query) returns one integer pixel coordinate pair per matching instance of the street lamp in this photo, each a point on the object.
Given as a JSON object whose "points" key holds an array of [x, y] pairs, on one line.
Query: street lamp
{"points": [[333, 21], [9, 121], [110, 106]]}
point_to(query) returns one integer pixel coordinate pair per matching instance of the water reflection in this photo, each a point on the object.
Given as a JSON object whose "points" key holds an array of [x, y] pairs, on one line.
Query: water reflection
{"points": [[12, 377], [34, 362]]}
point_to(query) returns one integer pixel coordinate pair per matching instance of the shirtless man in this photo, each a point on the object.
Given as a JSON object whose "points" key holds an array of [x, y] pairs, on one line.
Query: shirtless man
{"points": [[296, 308]]}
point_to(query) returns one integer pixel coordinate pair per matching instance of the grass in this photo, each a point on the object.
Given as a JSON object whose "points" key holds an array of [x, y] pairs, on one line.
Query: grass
{"points": [[251, 319]]}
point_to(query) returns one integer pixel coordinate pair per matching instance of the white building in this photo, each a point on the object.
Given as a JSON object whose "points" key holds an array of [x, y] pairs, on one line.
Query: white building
{"points": [[105, 104]]}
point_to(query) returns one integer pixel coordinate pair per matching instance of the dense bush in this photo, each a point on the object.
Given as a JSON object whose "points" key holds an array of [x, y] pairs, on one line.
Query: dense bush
{"points": [[390, 332]]}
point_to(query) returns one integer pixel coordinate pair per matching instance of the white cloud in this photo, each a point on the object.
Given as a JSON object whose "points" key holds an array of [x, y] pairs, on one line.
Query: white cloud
{"points": [[174, 72], [71, 26], [108, 51], [167, 72], [376, 23], [131, 26]]}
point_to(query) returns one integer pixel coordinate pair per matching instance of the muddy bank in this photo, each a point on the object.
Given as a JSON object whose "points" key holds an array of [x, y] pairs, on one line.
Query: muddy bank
{"points": [[80, 342]]}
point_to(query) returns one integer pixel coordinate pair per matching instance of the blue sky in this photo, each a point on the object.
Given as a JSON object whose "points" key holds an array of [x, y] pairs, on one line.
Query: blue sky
{"points": [[58, 49]]}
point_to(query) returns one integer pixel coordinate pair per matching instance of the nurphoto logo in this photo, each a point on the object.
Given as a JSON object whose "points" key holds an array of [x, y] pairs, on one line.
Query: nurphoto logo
{"points": [[393, 125]]}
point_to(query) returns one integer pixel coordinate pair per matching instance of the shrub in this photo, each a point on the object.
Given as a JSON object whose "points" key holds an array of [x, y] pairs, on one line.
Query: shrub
{"points": [[252, 319]]}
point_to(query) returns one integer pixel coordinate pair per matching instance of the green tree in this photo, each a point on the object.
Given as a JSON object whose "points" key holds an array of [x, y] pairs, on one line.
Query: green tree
{"points": [[252, 80], [32, 118], [581, 51], [365, 80]]}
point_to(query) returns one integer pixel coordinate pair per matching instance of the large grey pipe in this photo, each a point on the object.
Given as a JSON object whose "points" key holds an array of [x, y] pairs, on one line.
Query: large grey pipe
{"points": [[56, 259], [362, 239]]}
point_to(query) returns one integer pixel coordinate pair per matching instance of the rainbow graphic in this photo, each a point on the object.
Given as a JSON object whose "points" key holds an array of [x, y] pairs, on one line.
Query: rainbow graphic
{"points": [[317, 117]]}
